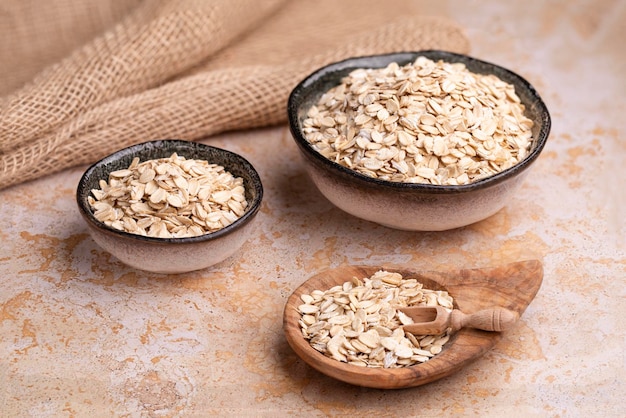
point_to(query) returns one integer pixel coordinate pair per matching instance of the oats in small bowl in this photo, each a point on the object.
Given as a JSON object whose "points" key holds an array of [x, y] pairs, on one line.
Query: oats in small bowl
{"points": [[427, 140], [170, 206]]}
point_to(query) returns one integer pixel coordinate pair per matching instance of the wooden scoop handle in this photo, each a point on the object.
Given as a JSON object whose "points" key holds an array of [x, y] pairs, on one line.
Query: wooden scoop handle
{"points": [[493, 319]]}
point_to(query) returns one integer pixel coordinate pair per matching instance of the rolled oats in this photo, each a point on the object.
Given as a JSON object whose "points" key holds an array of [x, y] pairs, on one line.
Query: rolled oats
{"points": [[425, 122], [170, 197], [365, 328]]}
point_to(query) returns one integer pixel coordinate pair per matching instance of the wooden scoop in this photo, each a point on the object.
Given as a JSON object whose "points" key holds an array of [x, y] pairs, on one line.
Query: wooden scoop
{"points": [[434, 320], [512, 286]]}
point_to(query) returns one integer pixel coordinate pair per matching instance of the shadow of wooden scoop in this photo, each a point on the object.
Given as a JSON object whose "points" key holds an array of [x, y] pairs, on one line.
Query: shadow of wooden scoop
{"points": [[435, 320]]}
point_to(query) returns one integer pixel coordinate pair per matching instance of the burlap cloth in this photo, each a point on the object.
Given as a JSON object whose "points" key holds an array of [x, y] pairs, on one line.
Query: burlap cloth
{"points": [[81, 79]]}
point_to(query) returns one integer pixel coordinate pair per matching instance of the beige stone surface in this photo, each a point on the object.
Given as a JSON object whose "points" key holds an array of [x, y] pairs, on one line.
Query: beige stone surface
{"points": [[83, 335]]}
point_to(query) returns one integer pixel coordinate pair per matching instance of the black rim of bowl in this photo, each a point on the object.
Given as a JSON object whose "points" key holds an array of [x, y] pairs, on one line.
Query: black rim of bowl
{"points": [[181, 145], [321, 75]]}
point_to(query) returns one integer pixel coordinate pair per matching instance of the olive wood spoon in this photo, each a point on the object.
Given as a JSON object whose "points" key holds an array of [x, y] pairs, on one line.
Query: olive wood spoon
{"points": [[435, 320], [512, 286]]}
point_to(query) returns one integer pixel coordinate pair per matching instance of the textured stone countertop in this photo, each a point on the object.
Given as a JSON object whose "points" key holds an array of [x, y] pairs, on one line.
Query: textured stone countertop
{"points": [[83, 335]]}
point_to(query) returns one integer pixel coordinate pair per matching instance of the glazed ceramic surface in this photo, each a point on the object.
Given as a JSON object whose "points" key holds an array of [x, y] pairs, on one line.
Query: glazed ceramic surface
{"points": [[171, 255], [412, 206]]}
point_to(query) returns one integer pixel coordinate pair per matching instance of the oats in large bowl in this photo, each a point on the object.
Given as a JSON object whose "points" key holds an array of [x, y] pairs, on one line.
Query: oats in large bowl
{"points": [[426, 140], [428, 121]]}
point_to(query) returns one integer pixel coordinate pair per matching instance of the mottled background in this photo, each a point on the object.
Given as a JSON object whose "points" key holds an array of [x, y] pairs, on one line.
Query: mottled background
{"points": [[83, 335]]}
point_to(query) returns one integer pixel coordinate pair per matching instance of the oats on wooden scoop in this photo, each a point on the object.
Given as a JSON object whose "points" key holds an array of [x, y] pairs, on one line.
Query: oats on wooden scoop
{"points": [[358, 323]]}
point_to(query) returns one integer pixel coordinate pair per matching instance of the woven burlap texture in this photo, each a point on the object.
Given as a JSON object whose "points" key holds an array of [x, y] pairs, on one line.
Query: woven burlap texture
{"points": [[189, 69]]}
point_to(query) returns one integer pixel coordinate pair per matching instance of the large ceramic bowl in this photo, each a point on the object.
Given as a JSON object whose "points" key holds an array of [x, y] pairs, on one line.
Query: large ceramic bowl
{"points": [[412, 206], [171, 255]]}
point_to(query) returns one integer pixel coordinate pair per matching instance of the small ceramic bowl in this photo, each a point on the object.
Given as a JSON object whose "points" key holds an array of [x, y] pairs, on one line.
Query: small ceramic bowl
{"points": [[409, 206], [171, 255]]}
